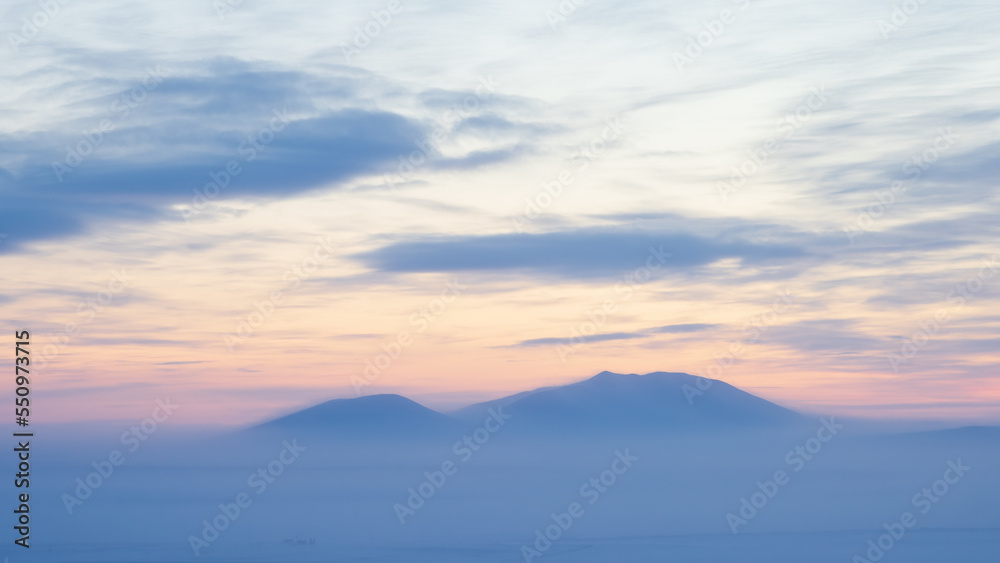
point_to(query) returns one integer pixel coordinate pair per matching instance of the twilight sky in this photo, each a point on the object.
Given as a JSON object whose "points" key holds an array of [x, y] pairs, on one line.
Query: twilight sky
{"points": [[239, 205]]}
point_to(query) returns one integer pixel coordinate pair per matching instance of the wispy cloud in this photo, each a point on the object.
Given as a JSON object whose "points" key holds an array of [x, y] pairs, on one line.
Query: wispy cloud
{"points": [[607, 337], [586, 339]]}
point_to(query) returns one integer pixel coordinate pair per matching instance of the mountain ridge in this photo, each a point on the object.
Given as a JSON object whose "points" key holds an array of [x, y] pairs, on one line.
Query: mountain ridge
{"points": [[606, 402]]}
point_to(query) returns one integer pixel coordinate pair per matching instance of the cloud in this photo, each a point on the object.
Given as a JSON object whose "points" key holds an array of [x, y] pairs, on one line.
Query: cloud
{"points": [[227, 128], [825, 336], [302, 154], [23, 219], [669, 329], [578, 254], [583, 339], [683, 328]]}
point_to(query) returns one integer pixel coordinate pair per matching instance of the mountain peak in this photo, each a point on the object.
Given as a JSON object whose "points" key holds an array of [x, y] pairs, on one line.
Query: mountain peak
{"points": [[652, 402], [635, 377], [612, 376], [388, 414]]}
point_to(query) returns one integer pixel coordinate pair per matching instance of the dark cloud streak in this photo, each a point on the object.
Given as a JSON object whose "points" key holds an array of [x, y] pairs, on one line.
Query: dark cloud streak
{"points": [[579, 254]]}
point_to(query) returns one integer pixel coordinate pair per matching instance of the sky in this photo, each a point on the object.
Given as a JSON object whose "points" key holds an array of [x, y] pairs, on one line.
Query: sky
{"points": [[249, 207]]}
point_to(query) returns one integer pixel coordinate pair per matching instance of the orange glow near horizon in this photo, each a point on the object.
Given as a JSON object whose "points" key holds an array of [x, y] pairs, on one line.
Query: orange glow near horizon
{"points": [[164, 336]]}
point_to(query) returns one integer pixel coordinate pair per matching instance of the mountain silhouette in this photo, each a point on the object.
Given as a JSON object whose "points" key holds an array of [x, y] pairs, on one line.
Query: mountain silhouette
{"points": [[653, 402], [607, 403], [365, 417]]}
